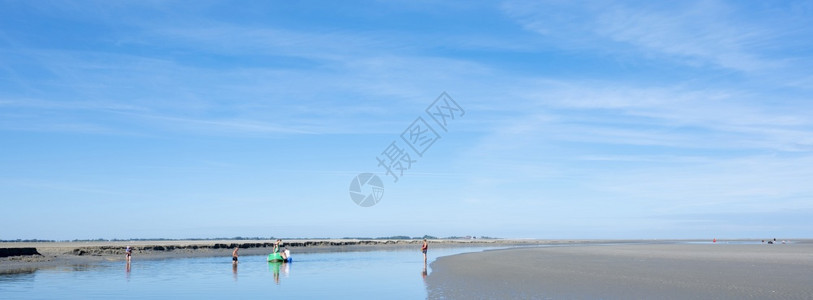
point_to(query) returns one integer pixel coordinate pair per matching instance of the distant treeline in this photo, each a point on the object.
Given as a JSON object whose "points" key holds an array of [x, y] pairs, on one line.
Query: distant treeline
{"points": [[240, 238], [428, 237], [26, 241]]}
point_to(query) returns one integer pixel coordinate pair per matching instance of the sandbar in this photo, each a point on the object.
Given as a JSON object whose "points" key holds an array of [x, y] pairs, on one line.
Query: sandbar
{"points": [[628, 271]]}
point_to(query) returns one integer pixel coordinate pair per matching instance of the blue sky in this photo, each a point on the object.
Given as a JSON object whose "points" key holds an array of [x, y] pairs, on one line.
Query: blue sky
{"points": [[583, 119]]}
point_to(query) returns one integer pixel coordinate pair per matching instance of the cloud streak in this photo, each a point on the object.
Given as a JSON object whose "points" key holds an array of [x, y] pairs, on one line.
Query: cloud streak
{"points": [[696, 33]]}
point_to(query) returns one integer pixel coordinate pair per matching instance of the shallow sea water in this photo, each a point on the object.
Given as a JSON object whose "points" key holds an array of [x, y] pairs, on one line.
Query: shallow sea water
{"points": [[391, 274]]}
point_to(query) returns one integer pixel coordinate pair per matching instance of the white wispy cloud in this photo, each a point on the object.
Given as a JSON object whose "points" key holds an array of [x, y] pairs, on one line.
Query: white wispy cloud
{"points": [[701, 30], [371, 69], [656, 150], [608, 112], [714, 33]]}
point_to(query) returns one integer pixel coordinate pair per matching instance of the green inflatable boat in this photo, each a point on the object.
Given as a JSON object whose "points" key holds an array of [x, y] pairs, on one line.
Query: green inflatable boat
{"points": [[276, 257]]}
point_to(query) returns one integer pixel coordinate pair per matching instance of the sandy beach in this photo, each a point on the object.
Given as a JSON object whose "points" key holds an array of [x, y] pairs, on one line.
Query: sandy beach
{"points": [[628, 271]]}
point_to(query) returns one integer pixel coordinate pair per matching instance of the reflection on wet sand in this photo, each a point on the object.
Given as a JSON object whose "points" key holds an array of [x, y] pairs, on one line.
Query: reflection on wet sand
{"points": [[17, 275]]}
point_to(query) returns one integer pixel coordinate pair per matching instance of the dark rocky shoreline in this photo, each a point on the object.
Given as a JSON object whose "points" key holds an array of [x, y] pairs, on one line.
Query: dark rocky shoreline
{"points": [[6, 252]]}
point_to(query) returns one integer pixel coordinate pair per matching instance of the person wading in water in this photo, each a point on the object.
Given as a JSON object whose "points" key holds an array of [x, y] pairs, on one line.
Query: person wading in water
{"points": [[424, 248]]}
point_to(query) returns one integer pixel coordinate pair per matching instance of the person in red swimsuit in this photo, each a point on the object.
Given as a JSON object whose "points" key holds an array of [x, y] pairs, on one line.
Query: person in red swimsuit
{"points": [[424, 248]]}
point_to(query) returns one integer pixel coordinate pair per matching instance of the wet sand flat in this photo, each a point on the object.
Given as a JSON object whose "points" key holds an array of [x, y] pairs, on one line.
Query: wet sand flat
{"points": [[631, 271]]}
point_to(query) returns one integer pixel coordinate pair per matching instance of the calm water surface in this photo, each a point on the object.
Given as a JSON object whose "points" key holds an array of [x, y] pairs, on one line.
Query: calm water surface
{"points": [[337, 275]]}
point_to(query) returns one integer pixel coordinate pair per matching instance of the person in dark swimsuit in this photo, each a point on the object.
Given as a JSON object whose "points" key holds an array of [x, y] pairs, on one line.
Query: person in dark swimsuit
{"points": [[234, 255]]}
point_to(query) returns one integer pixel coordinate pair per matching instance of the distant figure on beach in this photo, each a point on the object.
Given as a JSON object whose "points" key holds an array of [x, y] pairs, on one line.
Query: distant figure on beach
{"points": [[127, 253], [424, 247], [234, 255]]}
